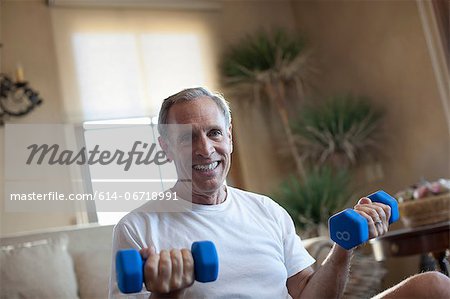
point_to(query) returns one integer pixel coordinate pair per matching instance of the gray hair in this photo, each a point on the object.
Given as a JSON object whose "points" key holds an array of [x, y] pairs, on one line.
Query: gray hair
{"points": [[189, 95]]}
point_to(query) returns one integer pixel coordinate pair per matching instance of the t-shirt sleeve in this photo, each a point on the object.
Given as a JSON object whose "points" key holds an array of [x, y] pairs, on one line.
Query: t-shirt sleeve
{"points": [[296, 258], [123, 238]]}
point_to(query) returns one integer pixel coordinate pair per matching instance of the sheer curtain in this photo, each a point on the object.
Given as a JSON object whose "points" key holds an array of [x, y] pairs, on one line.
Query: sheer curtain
{"points": [[119, 63]]}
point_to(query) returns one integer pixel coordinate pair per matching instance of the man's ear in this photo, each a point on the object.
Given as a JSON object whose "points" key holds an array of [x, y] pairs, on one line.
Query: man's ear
{"points": [[165, 147]]}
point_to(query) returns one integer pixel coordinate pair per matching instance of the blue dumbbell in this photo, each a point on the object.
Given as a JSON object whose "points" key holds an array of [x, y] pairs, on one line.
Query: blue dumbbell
{"points": [[130, 266], [349, 229]]}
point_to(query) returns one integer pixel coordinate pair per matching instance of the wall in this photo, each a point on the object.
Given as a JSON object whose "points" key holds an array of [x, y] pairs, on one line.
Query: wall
{"points": [[378, 49], [258, 135], [27, 39], [371, 48]]}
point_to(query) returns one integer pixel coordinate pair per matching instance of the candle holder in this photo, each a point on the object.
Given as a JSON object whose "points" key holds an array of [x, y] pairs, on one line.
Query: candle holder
{"points": [[16, 98]]}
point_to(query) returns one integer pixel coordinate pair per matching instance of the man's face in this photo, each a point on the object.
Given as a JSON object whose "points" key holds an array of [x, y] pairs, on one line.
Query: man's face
{"points": [[209, 144]]}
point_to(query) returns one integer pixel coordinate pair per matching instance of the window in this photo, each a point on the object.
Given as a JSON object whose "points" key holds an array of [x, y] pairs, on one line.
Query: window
{"points": [[97, 130], [122, 75], [119, 64]]}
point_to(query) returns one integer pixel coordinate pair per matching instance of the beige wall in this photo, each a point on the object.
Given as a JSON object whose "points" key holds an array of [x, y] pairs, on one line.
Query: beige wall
{"points": [[27, 39], [378, 49], [254, 138], [371, 48]]}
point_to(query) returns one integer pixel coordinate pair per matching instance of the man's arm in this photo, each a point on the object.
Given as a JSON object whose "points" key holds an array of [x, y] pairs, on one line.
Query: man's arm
{"points": [[327, 282], [330, 279]]}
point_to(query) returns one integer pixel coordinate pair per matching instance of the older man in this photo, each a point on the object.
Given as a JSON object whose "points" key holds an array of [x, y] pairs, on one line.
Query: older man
{"points": [[260, 254]]}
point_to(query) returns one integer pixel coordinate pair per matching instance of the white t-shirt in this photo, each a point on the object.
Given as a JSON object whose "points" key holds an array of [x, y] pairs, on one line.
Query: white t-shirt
{"points": [[255, 239]]}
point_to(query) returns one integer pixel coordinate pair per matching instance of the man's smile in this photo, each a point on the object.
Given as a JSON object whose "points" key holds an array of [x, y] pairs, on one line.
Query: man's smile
{"points": [[206, 167]]}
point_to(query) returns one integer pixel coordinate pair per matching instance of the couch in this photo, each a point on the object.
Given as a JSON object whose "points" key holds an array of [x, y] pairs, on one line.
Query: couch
{"points": [[70, 262], [74, 262]]}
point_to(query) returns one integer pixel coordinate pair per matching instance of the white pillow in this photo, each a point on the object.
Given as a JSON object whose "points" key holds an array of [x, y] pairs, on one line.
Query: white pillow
{"points": [[93, 270], [40, 269]]}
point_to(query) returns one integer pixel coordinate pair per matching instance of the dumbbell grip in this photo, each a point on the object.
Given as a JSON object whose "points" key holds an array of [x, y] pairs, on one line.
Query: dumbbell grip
{"points": [[384, 198]]}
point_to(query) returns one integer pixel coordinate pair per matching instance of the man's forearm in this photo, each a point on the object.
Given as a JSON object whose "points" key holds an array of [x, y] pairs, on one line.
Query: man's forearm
{"points": [[330, 279]]}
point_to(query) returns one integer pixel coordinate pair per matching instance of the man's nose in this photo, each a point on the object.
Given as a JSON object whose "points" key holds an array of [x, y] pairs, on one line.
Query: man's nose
{"points": [[203, 146]]}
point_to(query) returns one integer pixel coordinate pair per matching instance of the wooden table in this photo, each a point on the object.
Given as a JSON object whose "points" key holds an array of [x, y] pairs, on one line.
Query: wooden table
{"points": [[434, 239]]}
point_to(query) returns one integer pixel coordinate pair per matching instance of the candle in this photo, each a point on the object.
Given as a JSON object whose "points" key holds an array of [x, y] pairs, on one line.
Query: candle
{"points": [[19, 74]]}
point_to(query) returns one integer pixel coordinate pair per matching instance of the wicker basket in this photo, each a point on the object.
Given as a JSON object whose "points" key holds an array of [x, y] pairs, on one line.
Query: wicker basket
{"points": [[425, 210]]}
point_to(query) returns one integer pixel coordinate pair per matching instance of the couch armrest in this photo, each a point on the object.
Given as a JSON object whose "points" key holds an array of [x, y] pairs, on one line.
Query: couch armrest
{"points": [[319, 248]]}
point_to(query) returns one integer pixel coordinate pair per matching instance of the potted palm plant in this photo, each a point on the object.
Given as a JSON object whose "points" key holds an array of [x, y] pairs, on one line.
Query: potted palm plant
{"points": [[333, 135], [312, 201], [267, 64], [339, 132]]}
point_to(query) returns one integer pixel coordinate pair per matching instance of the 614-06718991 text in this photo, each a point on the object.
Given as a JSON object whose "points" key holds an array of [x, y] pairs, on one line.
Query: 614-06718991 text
{"points": [[137, 195]]}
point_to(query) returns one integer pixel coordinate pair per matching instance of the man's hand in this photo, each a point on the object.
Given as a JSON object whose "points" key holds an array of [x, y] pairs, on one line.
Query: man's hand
{"points": [[376, 214], [169, 273]]}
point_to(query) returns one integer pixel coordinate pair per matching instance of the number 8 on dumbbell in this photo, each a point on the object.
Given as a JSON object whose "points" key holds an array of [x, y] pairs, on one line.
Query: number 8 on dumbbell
{"points": [[344, 236]]}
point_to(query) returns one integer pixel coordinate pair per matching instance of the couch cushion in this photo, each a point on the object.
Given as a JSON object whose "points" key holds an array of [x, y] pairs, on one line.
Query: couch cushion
{"points": [[38, 269], [93, 269]]}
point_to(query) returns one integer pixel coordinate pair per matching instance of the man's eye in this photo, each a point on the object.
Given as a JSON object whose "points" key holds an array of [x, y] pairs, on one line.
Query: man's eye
{"points": [[215, 133]]}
